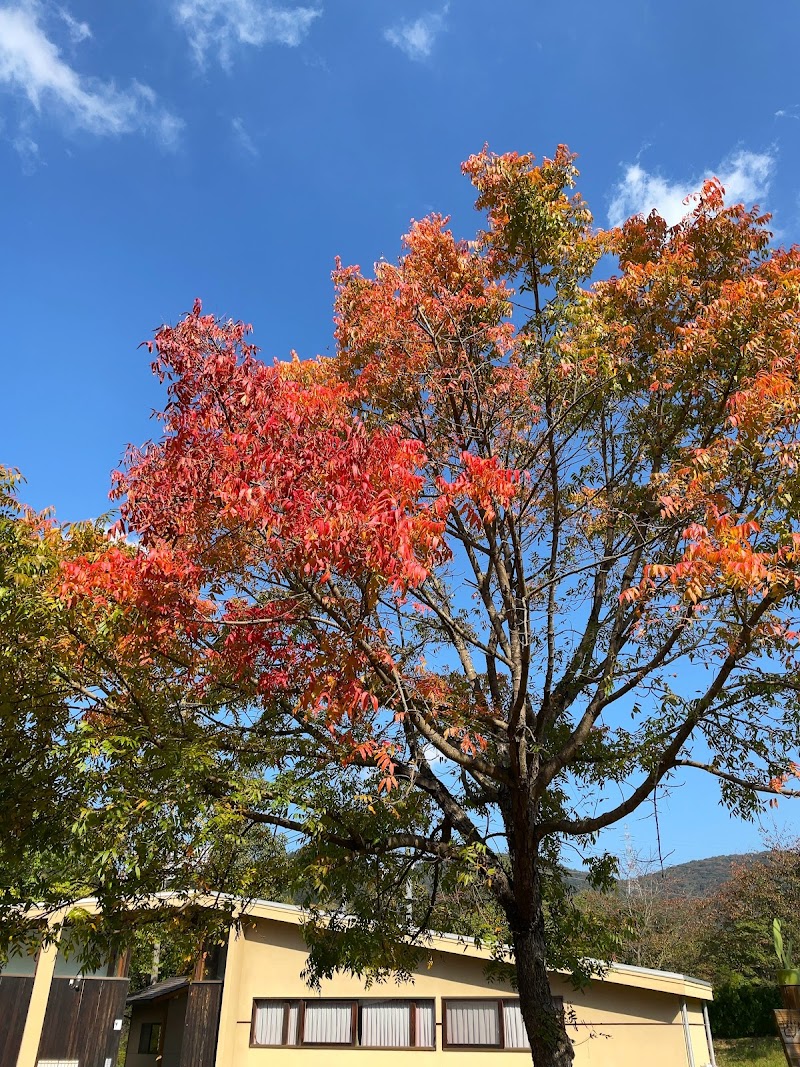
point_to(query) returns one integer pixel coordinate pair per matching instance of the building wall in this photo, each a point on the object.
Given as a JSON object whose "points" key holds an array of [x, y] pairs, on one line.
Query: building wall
{"points": [[615, 1025], [624, 1025], [15, 996], [173, 1032], [21, 964], [141, 1015], [70, 962], [190, 1023], [83, 1021], [37, 1006], [171, 1014], [697, 1030]]}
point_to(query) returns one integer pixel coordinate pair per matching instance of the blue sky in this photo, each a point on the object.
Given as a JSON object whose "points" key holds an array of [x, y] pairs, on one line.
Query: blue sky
{"points": [[155, 151]]}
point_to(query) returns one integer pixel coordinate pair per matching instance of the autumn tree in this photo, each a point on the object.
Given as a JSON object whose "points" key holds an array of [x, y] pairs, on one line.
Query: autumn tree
{"points": [[68, 827], [523, 549], [38, 801], [739, 941]]}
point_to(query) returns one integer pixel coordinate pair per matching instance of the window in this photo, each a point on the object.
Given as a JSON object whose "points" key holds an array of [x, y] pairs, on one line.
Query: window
{"points": [[472, 1024], [148, 1038], [350, 1023], [513, 1027], [396, 1024], [485, 1023], [328, 1022], [275, 1022]]}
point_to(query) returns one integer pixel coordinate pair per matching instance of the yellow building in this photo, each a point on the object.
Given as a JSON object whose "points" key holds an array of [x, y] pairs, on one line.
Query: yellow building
{"points": [[256, 1011]]}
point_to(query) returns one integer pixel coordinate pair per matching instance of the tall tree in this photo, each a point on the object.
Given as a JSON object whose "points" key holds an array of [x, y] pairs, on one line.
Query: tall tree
{"points": [[38, 800], [71, 827], [523, 549]]}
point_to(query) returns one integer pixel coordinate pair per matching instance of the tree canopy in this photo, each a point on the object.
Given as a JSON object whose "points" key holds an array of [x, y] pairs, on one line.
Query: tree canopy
{"points": [[523, 550]]}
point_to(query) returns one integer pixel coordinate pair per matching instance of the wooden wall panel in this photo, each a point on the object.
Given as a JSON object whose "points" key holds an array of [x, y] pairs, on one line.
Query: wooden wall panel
{"points": [[79, 1022], [201, 1027], [15, 996]]}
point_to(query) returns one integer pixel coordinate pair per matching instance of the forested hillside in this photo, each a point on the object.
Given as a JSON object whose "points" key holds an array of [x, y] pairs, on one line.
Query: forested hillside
{"points": [[697, 878]]}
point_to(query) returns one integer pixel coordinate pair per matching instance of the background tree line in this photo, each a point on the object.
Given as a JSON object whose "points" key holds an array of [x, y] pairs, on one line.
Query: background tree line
{"points": [[722, 934]]}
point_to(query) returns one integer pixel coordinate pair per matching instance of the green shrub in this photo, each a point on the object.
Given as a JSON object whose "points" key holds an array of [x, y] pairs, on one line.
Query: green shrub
{"points": [[744, 1009]]}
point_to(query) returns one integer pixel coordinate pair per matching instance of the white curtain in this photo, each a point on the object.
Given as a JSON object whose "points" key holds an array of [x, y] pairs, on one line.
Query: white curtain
{"points": [[386, 1023], [328, 1023], [473, 1022], [516, 1037], [268, 1029], [426, 1024], [293, 1037]]}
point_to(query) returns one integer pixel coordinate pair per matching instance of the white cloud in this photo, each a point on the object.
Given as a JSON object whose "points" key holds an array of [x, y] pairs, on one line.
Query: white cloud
{"points": [[416, 38], [78, 31], [243, 138], [745, 175], [31, 66], [220, 25], [27, 149], [792, 112]]}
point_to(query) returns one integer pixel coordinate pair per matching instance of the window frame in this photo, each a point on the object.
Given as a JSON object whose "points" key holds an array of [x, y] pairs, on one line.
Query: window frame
{"points": [[286, 1003], [500, 1046], [148, 1028], [301, 1019], [414, 1003], [355, 1020], [448, 1046]]}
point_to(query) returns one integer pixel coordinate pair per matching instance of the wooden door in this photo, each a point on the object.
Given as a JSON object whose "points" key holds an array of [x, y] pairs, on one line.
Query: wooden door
{"points": [[15, 996], [83, 1020]]}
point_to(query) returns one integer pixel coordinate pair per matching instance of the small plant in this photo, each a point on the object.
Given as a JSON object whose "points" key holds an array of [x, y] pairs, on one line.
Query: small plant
{"points": [[788, 973], [783, 949]]}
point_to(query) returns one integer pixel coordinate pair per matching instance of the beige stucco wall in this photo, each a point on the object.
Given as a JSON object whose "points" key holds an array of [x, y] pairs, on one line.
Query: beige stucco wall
{"points": [[697, 1030], [172, 1015], [617, 1024], [142, 1014], [173, 1034], [627, 1026]]}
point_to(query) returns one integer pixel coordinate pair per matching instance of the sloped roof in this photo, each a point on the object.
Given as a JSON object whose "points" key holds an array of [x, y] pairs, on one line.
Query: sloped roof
{"points": [[614, 973], [168, 988]]}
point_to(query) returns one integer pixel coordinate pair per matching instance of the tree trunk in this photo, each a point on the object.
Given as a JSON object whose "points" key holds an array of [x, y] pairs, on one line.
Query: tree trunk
{"points": [[544, 1020]]}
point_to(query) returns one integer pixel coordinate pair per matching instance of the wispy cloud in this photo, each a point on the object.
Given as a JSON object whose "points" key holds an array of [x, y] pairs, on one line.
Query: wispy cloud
{"points": [[792, 112], [218, 26], [78, 31], [417, 37], [26, 148], [745, 175], [32, 67], [243, 138]]}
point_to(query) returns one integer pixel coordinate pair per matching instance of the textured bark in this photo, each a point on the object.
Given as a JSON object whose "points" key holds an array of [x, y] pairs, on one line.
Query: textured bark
{"points": [[524, 907], [544, 1020]]}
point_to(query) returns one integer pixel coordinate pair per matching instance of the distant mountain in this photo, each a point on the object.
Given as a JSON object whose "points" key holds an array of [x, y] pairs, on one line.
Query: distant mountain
{"points": [[697, 878]]}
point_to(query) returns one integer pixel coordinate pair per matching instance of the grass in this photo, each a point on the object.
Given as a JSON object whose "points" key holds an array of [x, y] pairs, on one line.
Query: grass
{"points": [[750, 1052]]}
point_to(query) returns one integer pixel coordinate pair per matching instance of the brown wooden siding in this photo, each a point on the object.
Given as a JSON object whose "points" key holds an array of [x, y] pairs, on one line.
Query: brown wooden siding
{"points": [[15, 996], [79, 1021], [201, 1027]]}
